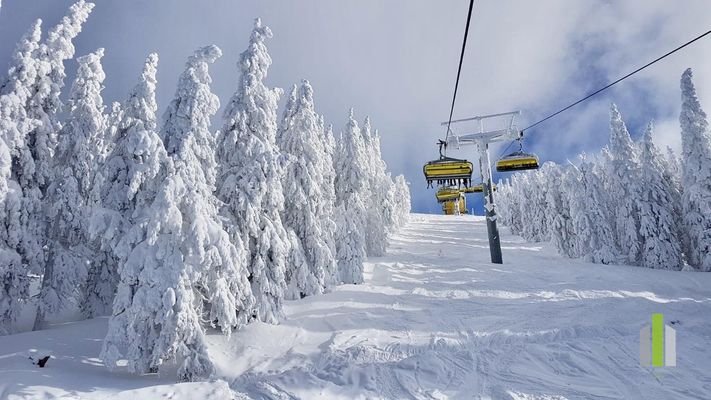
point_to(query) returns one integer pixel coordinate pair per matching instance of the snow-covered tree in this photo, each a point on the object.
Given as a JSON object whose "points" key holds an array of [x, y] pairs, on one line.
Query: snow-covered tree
{"points": [[134, 161], [375, 193], [591, 221], [623, 174], [249, 177], [32, 162], [559, 217], [128, 189], [696, 176], [15, 92], [351, 182], [402, 201], [661, 248], [69, 197], [14, 281], [301, 139], [206, 246]]}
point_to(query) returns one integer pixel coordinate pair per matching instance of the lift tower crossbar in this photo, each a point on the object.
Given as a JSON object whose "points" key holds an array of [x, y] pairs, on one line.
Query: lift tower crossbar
{"points": [[482, 140]]}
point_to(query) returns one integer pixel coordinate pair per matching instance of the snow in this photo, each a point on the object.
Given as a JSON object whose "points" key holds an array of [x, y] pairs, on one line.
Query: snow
{"points": [[433, 320]]}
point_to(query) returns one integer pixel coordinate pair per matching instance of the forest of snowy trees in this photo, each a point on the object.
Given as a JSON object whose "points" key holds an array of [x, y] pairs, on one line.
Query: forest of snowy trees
{"points": [[171, 227], [630, 204]]}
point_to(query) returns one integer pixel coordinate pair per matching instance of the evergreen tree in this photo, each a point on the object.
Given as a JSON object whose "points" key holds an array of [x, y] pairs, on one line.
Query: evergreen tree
{"points": [[376, 235], [623, 174], [402, 202], [696, 176], [249, 177], [32, 162], [69, 197], [562, 228], [14, 281], [127, 191], [351, 181], [301, 139], [661, 247], [205, 245]]}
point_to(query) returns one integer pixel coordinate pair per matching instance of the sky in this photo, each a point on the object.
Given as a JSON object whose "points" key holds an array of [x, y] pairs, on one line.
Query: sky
{"points": [[396, 61]]}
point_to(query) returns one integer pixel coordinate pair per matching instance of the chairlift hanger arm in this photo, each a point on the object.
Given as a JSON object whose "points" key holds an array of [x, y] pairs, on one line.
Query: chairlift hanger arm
{"points": [[483, 117], [486, 137]]}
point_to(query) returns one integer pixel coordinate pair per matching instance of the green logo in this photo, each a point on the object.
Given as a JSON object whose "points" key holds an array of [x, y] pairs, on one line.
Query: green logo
{"points": [[657, 344]]}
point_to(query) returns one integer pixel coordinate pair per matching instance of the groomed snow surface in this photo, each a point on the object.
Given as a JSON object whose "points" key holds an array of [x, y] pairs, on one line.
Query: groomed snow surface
{"points": [[433, 320]]}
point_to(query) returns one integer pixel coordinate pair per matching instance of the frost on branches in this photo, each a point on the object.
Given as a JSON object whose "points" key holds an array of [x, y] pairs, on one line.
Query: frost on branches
{"points": [[249, 177]]}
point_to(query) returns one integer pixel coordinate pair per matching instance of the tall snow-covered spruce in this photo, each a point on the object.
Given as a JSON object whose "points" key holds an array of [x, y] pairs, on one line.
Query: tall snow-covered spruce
{"points": [[301, 138], [14, 280], [219, 264], [32, 162], [70, 195], [127, 190], [696, 176], [351, 165], [249, 177], [623, 172], [661, 247]]}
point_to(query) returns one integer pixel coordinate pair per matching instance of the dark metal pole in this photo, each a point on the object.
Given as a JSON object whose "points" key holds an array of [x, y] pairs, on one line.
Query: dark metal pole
{"points": [[489, 205]]}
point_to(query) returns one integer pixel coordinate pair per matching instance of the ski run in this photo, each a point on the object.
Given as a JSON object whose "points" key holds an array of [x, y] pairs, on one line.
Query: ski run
{"points": [[433, 320]]}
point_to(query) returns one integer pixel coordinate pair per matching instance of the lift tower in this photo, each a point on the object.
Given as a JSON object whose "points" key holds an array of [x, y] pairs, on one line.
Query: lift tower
{"points": [[482, 140]]}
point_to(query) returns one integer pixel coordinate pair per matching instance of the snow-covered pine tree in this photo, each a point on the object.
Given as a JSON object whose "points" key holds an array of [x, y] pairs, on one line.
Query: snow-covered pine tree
{"points": [[385, 187], [14, 126], [351, 184], [219, 264], [32, 163], [249, 177], [661, 247], [127, 190], [593, 233], [376, 230], [69, 199], [14, 281], [135, 160], [623, 173], [301, 138], [402, 201], [696, 176], [328, 192], [558, 213]]}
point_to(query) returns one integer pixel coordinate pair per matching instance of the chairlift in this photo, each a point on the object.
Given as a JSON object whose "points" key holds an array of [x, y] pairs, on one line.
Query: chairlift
{"points": [[517, 161], [448, 171]]}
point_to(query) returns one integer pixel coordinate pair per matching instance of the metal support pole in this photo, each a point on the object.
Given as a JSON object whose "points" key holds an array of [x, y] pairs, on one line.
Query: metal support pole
{"points": [[491, 228]]}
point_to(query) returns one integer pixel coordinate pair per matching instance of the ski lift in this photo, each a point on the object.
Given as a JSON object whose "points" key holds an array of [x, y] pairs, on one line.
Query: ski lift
{"points": [[447, 194], [517, 161], [476, 188], [447, 170], [455, 207]]}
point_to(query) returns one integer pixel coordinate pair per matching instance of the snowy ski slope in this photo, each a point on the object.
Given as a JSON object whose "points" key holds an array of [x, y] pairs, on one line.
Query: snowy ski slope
{"points": [[434, 320]]}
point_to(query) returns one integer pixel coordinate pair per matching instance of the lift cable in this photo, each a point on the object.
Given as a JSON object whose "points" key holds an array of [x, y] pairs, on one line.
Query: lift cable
{"points": [[609, 86], [459, 69], [617, 81]]}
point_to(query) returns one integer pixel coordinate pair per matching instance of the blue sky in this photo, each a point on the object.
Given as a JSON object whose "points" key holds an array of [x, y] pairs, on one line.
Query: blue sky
{"points": [[396, 61]]}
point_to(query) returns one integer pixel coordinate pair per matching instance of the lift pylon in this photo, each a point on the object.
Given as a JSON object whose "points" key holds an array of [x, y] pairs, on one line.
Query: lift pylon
{"points": [[482, 139]]}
